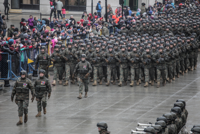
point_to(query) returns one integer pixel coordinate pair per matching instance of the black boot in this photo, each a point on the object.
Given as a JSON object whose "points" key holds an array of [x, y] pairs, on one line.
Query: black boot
{"points": [[6, 83]]}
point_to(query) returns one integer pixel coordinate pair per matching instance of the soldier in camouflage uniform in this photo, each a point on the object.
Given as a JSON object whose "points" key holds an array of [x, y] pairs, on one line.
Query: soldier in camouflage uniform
{"points": [[122, 57], [96, 58], [57, 60], [109, 57], [89, 51], [178, 121], [117, 50], [21, 90], [102, 128], [134, 59], [146, 60], [104, 64], [169, 62], [42, 88], [161, 66], [163, 125], [83, 68], [172, 127], [44, 61], [68, 56]]}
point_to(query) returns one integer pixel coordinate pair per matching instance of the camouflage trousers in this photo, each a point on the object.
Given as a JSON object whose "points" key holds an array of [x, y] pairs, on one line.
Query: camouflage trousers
{"points": [[191, 60], [182, 65], [111, 72], [123, 74], [135, 73], [83, 83], [177, 67], [41, 102], [22, 107], [69, 69], [187, 63], [152, 73], [46, 70], [146, 74], [161, 73], [172, 129], [98, 71], [57, 72], [169, 71], [105, 71]]}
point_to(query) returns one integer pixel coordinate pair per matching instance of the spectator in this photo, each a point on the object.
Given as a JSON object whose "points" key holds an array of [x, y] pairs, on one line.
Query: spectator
{"points": [[4, 26], [99, 8], [109, 9], [126, 12], [129, 10], [11, 31], [1, 21], [72, 20], [6, 6], [35, 21], [63, 12], [30, 22], [59, 8], [143, 9], [53, 8]]}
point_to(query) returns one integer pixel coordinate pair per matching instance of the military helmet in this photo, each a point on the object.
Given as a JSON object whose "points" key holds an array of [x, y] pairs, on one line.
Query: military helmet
{"points": [[102, 125], [110, 46], [75, 42], [176, 110], [56, 46], [173, 116], [147, 47], [23, 72], [98, 46], [109, 42], [81, 41], [115, 44], [162, 118], [161, 47], [135, 46], [158, 128], [161, 123], [95, 42], [179, 104], [150, 130], [196, 130], [42, 71], [180, 100], [89, 43], [70, 43], [82, 45], [129, 45], [83, 56], [123, 46], [168, 116], [59, 42], [103, 44], [43, 47], [63, 46]]}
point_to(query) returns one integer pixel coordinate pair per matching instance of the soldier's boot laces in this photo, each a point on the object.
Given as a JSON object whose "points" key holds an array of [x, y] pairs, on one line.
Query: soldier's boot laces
{"points": [[108, 83], [54, 82], [39, 114], [100, 82], [60, 82], [80, 96], [146, 84], [95, 83], [66, 83], [25, 118], [138, 83], [120, 84], [20, 121], [152, 83], [86, 95], [158, 84], [132, 83], [44, 110]]}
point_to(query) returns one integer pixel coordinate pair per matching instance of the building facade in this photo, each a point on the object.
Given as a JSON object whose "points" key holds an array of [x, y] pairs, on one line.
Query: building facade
{"points": [[43, 6]]}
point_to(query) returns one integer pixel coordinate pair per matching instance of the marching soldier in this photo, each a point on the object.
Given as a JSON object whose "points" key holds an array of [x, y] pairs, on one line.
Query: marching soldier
{"points": [[102, 128], [44, 61], [83, 68], [42, 88], [21, 90]]}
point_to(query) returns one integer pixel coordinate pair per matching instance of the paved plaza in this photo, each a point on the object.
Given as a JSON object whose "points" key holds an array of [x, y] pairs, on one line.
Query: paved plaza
{"points": [[121, 107]]}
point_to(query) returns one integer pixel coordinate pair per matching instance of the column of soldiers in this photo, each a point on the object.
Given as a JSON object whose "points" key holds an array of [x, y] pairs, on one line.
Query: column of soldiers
{"points": [[170, 123]]}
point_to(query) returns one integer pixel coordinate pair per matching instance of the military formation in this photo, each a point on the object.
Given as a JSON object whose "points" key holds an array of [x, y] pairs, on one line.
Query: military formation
{"points": [[169, 123]]}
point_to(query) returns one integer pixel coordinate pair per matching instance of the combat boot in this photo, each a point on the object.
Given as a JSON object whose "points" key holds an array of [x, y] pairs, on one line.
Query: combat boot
{"points": [[120, 84], [191, 69], [152, 83], [146, 84], [173, 78], [177, 75], [100, 82], [182, 72], [170, 80], [73, 81], [80, 96], [113, 83], [54, 82], [60, 82], [91, 80], [195, 67], [44, 110], [158, 84], [138, 83], [39, 114], [108, 83], [25, 118], [132, 83], [20, 121], [164, 82], [95, 83], [125, 83], [186, 70], [66, 83], [85, 94], [167, 79]]}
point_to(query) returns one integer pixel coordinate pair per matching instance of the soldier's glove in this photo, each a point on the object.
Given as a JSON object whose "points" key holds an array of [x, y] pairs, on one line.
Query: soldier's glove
{"points": [[53, 60], [148, 56], [157, 61], [78, 60], [132, 61], [162, 56], [49, 95], [124, 55], [144, 63], [71, 53], [119, 61], [106, 60], [59, 55], [65, 58], [32, 99], [90, 50], [93, 61], [86, 76], [12, 97], [47, 67], [111, 55], [137, 55]]}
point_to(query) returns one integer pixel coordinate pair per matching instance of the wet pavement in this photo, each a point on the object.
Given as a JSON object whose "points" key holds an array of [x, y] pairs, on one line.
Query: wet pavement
{"points": [[121, 107]]}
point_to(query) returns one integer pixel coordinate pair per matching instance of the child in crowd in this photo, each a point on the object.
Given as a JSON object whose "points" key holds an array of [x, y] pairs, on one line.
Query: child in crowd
{"points": [[63, 12]]}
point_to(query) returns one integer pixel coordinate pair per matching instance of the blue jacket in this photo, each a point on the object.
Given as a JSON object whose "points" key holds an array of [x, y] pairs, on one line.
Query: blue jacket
{"points": [[99, 6], [130, 12]]}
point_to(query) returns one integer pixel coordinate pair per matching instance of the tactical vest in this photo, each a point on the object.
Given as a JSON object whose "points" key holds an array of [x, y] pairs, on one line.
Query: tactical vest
{"points": [[83, 68], [22, 87], [41, 86], [43, 59], [123, 58], [111, 58]]}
